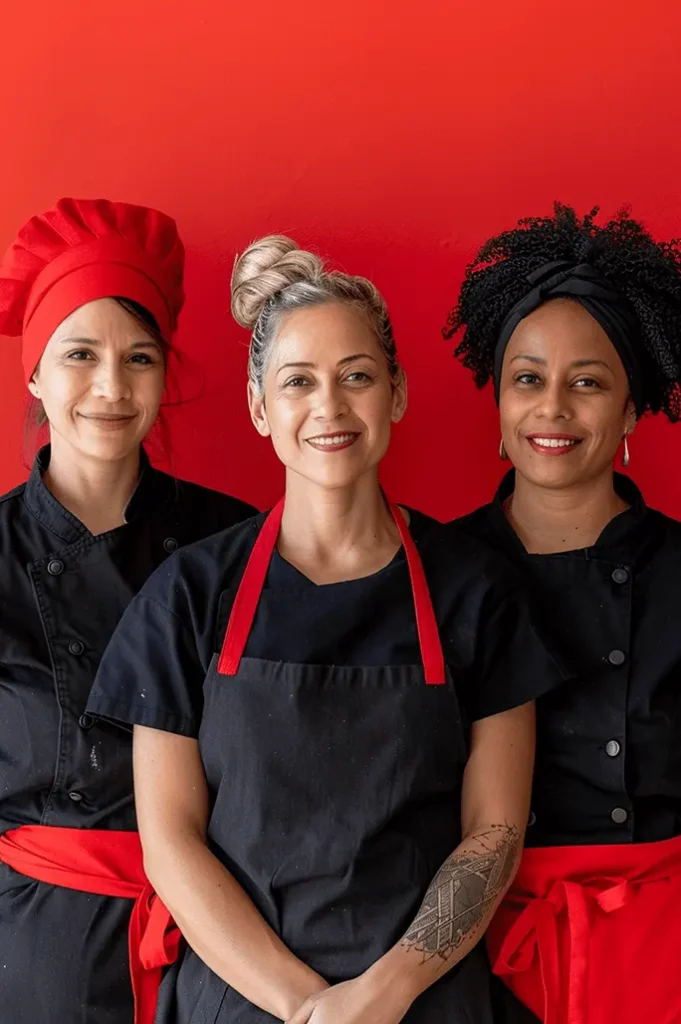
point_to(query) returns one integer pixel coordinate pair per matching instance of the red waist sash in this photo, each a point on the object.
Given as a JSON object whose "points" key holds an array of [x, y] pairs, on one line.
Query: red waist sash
{"points": [[108, 864], [591, 934]]}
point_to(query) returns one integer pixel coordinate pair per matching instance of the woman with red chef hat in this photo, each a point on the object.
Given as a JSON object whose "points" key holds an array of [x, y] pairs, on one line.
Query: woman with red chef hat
{"points": [[94, 289]]}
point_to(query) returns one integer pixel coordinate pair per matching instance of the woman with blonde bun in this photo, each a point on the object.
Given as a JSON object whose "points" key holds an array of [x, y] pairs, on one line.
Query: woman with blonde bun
{"points": [[334, 746]]}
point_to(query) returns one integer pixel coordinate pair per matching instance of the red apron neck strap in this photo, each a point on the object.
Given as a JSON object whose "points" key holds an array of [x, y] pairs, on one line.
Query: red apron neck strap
{"points": [[253, 581], [248, 594], [426, 623]]}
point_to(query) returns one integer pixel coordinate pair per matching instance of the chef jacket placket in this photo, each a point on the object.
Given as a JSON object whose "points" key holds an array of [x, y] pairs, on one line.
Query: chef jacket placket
{"points": [[54, 581], [613, 748]]}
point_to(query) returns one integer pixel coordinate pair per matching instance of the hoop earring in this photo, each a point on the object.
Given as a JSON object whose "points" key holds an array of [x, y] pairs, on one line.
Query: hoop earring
{"points": [[625, 453], [502, 450]]}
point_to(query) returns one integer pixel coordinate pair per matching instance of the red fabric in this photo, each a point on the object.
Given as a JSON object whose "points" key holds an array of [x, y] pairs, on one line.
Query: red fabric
{"points": [[591, 935], [82, 250], [253, 580], [109, 864]]}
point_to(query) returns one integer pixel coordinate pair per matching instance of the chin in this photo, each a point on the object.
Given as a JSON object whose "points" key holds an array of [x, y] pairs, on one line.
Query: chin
{"points": [[335, 478], [113, 449], [553, 476]]}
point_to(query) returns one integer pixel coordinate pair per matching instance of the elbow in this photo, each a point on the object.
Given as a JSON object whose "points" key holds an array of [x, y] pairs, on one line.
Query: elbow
{"points": [[167, 858], [155, 857]]}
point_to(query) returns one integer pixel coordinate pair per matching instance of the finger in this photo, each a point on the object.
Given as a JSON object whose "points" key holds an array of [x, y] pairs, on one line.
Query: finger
{"points": [[302, 1015]]}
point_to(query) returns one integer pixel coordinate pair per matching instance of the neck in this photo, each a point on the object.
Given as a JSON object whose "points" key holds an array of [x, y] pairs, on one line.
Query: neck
{"points": [[563, 519], [335, 534], [95, 491]]}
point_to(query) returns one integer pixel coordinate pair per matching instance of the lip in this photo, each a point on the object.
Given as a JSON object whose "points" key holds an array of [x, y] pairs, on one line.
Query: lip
{"points": [[109, 422], [325, 442], [562, 450]]}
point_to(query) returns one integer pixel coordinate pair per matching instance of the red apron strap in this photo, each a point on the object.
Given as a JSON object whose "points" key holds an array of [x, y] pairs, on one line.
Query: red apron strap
{"points": [[253, 580], [426, 623], [248, 594]]}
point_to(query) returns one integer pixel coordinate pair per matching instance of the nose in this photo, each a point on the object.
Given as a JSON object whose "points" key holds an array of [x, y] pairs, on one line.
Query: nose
{"points": [[331, 403], [111, 381], [554, 402]]}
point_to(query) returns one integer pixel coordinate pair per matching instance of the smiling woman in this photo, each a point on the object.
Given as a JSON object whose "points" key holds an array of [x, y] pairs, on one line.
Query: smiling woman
{"points": [[100, 381], [579, 325], [94, 289], [337, 694]]}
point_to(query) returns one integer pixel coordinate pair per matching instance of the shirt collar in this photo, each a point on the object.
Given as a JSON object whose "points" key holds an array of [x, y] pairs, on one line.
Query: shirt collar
{"points": [[42, 504], [624, 537]]}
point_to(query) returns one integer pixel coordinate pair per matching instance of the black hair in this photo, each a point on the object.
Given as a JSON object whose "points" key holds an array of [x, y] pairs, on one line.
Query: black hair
{"points": [[647, 272]]}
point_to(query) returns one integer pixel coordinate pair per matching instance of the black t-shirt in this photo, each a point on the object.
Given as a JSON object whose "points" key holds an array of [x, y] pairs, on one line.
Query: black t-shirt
{"points": [[154, 669]]}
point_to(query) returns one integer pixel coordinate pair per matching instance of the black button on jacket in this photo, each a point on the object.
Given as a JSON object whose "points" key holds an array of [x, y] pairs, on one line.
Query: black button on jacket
{"points": [[62, 593], [608, 764]]}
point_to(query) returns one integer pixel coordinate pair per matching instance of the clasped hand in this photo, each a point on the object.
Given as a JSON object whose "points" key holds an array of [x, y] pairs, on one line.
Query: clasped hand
{"points": [[353, 1002]]}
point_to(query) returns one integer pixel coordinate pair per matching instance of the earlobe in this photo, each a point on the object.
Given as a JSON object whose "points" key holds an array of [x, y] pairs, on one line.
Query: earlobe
{"points": [[256, 406], [399, 398], [631, 420], [34, 389]]}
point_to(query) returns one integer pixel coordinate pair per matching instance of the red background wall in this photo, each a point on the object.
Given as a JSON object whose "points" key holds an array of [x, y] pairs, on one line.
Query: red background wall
{"points": [[392, 135]]}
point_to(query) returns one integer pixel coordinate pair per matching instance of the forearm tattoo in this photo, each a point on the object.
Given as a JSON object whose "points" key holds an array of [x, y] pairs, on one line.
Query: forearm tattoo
{"points": [[462, 892]]}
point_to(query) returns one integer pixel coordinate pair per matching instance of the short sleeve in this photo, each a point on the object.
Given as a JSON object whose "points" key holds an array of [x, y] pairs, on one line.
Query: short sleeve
{"points": [[512, 665], [151, 673]]}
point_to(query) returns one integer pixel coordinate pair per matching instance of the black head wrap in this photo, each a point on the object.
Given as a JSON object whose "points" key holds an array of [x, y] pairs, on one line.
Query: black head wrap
{"points": [[609, 307]]}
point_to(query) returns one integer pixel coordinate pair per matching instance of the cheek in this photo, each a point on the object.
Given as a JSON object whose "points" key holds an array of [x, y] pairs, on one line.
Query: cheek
{"points": [[512, 412], [60, 389], [147, 389], [604, 420], [374, 407], [285, 417]]}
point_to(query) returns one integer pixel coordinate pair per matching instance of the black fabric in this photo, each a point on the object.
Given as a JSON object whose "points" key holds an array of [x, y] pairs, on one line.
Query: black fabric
{"points": [[178, 621], [62, 593], [334, 771], [610, 308], [610, 739], [333, 832]]}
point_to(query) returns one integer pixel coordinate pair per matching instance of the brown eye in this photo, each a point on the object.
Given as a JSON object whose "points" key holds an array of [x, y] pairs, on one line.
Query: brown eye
{"points": [[527, 378]]}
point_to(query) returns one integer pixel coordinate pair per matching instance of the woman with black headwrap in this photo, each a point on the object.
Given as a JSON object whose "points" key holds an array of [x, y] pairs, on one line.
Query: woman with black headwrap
{"points": [[578, 324]]}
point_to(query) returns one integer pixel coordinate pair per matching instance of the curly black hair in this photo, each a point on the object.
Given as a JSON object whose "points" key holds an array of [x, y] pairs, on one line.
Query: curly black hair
{"points": [[647, 272]]}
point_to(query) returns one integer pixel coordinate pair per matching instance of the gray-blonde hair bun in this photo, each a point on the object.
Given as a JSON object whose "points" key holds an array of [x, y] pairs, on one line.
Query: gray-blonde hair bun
{"points": [[273, 277]]}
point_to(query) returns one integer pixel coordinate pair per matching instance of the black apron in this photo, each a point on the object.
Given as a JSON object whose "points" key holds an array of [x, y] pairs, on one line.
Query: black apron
{"points": [[336, 797]]}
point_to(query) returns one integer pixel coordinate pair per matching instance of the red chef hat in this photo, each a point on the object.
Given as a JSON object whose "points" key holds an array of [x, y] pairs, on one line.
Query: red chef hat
{"points": [[86, 249]]}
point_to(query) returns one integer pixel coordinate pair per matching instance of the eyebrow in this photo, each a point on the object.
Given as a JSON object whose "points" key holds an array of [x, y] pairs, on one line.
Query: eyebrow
{"points": [[96, 343], [577, 363], [341, 362]]}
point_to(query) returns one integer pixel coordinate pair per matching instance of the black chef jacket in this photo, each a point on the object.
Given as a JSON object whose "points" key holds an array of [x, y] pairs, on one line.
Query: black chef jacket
{"points": [[608, 766], [62, 592]]}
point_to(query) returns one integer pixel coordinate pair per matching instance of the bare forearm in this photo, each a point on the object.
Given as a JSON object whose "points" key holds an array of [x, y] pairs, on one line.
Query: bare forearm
{"points": [[226, 930], [457, 908]]}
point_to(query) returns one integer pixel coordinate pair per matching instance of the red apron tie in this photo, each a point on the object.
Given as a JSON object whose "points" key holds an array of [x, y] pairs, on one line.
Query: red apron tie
{"points": [[107, 863], [253, 580], [568, 908]]}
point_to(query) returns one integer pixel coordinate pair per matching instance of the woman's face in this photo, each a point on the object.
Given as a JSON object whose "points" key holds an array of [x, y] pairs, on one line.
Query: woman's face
{"points": [[328, 401], [100, 380], [564, 397]]}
